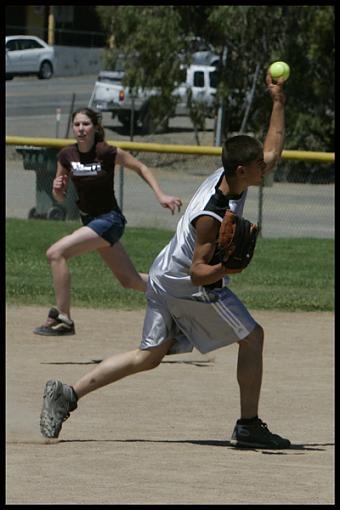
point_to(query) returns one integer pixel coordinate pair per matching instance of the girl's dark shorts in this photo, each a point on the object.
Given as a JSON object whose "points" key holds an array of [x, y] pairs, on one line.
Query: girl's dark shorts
{"points": [[110, 226]]}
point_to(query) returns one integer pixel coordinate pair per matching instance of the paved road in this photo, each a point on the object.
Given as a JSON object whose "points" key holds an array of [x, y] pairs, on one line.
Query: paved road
{"points": [[31, 106], [32, 97]]}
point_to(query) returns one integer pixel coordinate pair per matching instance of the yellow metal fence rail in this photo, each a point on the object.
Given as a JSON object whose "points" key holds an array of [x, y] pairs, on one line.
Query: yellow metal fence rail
{"points": [[39, 155], [325, 157]]}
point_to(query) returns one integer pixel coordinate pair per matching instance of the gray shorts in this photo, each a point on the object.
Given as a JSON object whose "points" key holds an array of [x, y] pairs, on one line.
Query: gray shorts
{"points": [[216, 320]]}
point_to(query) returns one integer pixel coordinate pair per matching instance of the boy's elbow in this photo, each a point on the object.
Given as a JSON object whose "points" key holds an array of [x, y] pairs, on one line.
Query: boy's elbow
{"points": [[272, 160], [193, 277]]}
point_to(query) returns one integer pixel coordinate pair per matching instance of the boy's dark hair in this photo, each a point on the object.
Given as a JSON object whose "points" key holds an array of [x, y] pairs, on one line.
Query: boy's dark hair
{"points": [[96, 121], [239, 150]]}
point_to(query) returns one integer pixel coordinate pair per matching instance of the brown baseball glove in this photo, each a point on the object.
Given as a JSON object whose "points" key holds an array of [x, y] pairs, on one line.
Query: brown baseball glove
{"points": [[236, 242]]}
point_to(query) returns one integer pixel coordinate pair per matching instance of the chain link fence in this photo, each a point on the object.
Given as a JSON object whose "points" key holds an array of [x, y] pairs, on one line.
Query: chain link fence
{"points": [[290, 204]]}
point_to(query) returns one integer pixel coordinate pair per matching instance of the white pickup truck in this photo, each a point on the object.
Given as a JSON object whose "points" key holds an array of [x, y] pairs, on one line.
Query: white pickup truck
{"points": [[110, 95]]}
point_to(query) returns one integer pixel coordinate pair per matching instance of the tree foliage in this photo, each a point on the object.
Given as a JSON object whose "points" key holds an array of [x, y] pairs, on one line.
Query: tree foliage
{"points": [[301, 35], [149, 39]]}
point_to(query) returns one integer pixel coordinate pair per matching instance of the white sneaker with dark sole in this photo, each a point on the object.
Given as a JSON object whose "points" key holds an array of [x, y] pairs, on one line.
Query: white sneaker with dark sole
{"points": [[57, 324]]}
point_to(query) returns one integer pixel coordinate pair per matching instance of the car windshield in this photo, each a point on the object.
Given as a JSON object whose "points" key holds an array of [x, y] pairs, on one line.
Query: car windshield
{"points": [[120, 64], [114, 78]]}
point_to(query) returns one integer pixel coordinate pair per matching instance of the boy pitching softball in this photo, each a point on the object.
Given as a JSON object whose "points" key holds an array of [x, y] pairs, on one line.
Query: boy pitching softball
{"points": [[189, 302]]}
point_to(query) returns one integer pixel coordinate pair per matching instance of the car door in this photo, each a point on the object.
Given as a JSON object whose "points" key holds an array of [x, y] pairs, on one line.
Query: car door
{"points": [[180, 92], [198, 86], [204, 86], [13, 56], [31, 53], [212, 82]]}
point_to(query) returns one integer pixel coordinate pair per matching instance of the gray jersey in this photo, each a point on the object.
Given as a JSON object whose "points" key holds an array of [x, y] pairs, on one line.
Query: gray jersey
{"points": [[170, 271]]}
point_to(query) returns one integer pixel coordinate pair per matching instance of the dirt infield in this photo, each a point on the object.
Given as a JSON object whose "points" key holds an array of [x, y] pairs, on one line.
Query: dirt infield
{"points": [[162, 437]]}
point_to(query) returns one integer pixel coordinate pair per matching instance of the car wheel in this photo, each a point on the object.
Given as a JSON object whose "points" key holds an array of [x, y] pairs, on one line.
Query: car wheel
{"points": [[125, 119], [56, 213], [32, 214], [46, 70], [149, 125]]}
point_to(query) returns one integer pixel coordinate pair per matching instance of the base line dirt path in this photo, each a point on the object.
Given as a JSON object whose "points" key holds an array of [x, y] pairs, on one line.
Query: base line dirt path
{"points": [[162, 437]]}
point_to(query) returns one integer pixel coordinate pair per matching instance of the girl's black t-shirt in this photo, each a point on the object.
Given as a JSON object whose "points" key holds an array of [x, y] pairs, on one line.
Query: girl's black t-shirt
{"points": [[93, 176]]}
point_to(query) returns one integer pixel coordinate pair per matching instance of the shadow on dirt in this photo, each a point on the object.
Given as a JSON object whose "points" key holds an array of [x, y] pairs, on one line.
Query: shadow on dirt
{"points": [[212, 442], [200, 363]]}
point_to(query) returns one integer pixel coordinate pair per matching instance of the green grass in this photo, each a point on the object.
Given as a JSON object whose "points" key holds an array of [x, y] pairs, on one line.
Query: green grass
{"points": [[285, 274], [289, 274]]}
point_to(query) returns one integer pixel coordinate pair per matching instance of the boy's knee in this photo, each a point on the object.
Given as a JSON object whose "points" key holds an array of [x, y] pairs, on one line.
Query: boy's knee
{"points": [[256, 337], [150, 358], [259, 332], [154, 362]]}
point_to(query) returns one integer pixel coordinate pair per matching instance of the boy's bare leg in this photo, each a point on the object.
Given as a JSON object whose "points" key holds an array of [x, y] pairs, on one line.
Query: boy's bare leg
{"points": [[121, 365], [249, 372]]}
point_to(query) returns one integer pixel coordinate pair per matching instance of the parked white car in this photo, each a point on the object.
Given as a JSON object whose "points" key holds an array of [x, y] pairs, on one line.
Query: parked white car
{"points": [[28, 54]]}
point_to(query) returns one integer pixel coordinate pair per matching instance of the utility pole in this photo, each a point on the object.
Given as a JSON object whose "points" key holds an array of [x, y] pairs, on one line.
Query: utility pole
{"points": [[51, 26], [250, 99], [220, 113]]}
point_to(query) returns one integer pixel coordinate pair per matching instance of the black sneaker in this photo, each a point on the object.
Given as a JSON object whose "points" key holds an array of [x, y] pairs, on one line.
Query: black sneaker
{"points": [[57, 324], [257, 435]]}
